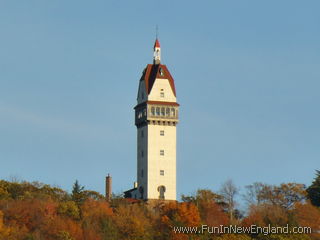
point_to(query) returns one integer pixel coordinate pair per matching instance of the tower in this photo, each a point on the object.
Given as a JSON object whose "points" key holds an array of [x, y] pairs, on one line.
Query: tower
{"points": [[156, 117], [108, 188]]}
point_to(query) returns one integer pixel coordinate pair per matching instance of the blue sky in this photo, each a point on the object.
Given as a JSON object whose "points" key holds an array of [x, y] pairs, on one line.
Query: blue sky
{"points": [[247, 78]]}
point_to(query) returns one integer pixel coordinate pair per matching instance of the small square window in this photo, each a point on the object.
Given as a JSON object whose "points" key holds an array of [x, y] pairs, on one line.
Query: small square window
{"points": [[162, 94], [162, 152], [161, 132], [162, 172]]}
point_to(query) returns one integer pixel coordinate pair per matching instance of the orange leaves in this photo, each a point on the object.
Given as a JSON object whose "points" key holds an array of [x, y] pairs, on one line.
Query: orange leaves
{"points": [[132, 222], [30, 213], [174, 214], [93, 215], [265, 214], [4, 231], [97, 209], [35, 211], [308, 215], [213, 215], [182, 213], [59, 226]]}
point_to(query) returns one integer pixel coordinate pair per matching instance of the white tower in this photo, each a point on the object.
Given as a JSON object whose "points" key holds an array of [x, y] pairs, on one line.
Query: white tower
{"points": [[156, 117]]}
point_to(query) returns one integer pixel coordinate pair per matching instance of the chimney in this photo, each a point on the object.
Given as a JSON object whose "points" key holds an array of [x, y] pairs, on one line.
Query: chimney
{"points": [[108, 187]]}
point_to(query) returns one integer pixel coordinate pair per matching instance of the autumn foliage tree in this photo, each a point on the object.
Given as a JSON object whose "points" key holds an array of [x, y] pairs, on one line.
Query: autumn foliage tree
{"points": [[210, 206], [175, 214], [36, 211]]}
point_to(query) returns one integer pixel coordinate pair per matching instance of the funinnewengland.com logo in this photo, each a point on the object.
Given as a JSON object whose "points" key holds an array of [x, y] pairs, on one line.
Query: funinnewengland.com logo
{"points": [[235, 229]]}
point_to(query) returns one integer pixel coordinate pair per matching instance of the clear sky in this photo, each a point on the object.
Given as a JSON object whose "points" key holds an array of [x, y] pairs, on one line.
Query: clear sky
{"points": [[247, 77]]}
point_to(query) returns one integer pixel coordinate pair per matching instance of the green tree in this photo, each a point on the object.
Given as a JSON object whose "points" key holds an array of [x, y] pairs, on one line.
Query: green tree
{"points": [[63, 235], [78, 193], [313, 190], [69, 209]]}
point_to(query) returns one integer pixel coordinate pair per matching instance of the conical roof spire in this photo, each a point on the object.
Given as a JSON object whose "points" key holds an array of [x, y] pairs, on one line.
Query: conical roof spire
{"points": [[157, 43], [156, 52]]}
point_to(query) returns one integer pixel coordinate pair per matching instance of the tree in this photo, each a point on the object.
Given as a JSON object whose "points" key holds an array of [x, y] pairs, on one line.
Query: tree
{"points": [[69, 209], [252, 195], [77, 193], [210, 206], [175, 214], [308, 215], [313, 190], [285, 195], [228, 191], [264, 214], [95, 214], [132, 222]]}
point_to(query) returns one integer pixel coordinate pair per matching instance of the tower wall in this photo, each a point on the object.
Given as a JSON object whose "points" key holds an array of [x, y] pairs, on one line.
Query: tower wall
{"points": [[158, 162], [142, 161]]}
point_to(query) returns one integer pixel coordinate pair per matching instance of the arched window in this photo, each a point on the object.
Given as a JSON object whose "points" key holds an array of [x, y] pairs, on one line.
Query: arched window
{"points": [[152, 111], [168, 112], [161, 72], [158, 111], [161, 190], [173, 112], [163, 111]]}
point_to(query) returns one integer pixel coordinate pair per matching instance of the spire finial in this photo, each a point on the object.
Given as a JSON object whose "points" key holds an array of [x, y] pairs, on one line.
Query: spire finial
{"points": [[157, 31], [156, 48]]}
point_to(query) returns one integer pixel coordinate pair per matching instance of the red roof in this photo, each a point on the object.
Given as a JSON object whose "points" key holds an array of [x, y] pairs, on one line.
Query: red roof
{"points": [[157, 44], [152, 71]]}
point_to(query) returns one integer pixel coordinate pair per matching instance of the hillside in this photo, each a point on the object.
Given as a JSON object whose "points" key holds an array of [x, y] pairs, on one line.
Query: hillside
{"points": [[34, 211]]}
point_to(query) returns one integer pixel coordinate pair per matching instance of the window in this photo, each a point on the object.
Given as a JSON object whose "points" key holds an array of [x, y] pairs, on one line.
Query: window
{"points": [[163, 111], [168, 112], [161, 72], [161, 190], [157, 111], [162, 172], [152, 111], [161, 132], [161, 152], [142, 153], [173, 112], [162, 94]]}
